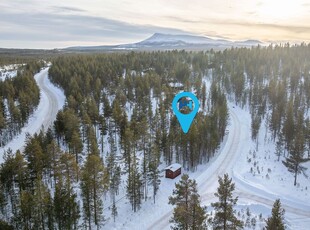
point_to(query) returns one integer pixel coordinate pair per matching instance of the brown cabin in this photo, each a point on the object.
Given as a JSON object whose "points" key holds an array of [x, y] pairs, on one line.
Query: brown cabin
{"points": [[172, 171]]}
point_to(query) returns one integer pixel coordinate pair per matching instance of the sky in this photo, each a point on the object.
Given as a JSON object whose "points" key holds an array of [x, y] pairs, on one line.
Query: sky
{"points": [[64, 23]]}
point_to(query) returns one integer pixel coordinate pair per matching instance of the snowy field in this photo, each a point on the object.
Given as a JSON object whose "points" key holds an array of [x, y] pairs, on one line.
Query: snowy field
{"points": [[51, 100]]}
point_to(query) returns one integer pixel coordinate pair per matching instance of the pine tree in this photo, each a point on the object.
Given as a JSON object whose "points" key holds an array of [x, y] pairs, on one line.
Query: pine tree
{"points": [[256, 121], [188, 213], [54, 154], [288, 126], [107, 110], [225, 217], [114, 172], [67, 170], [114, 211], [14, 177], [154, 173], [94, 182], [103, 130], [204, 95], [276, 221], [2, 117], [42, 209], [279, 147], [134, 186], [76, 145], [66, 209], [294, 161], [35, 156], [5, 226], [25, 213]]}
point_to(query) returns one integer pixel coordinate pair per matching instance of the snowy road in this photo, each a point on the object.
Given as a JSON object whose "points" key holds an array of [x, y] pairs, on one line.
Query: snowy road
{"points": [[51, 100], [247, 192]]}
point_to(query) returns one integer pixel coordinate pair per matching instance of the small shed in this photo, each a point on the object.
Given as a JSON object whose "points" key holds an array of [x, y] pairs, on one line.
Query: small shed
{"points": [[172, 171]]}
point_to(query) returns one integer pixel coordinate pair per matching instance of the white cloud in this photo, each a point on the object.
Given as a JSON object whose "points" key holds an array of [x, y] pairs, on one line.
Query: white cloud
{"points": [[59, 23]]}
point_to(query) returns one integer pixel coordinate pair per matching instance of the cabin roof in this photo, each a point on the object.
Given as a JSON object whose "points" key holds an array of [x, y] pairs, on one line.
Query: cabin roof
{"points": [[175, 84], [174, 167]]}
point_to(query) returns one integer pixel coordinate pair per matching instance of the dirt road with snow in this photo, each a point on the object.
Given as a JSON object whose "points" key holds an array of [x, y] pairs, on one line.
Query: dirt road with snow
{"points": [[51, 100]]}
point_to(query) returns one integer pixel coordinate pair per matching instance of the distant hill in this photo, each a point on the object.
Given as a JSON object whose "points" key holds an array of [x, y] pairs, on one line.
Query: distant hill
{"points": [[159, 41]]}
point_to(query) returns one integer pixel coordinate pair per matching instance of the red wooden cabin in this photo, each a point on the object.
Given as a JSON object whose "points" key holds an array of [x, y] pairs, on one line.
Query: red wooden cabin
{"points": [[172, 171]]}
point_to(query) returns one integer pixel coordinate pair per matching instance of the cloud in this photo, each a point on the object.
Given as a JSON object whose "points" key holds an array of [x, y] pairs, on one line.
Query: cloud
{"points": [[181, 19], [67, 9], [72, 27], [289, 28]]}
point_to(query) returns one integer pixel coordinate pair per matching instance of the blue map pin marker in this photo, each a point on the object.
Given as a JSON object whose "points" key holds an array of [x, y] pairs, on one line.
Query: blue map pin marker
{"points": [[185, 119]]}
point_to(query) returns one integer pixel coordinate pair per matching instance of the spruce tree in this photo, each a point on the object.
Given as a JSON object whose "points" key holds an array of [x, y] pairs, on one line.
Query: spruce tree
{"points": [[276, 221], [225, 217], [188, 213]]}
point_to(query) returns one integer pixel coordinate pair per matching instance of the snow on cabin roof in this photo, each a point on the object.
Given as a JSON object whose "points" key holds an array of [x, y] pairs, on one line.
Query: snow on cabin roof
{"points": [[174, 167], [175, 84]]}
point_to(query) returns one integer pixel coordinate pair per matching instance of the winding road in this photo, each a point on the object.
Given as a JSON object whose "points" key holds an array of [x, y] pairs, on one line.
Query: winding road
{"points": [[224, 163], [51, 100]]}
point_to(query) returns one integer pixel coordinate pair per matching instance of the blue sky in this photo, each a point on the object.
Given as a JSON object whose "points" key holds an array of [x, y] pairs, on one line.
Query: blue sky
{"points": [[56, 24]]}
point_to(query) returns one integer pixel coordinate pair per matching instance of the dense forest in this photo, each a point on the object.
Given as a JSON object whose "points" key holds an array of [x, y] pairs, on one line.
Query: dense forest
{"points": [[19, 96], [117, 125]]}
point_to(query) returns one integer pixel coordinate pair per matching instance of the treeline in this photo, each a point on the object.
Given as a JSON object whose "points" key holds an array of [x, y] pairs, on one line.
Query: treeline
{"points": [[19, 96], [274, 83]]}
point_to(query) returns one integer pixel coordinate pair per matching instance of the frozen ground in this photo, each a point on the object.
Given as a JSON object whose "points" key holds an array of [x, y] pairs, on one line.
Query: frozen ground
{"points": [[51, 100]]}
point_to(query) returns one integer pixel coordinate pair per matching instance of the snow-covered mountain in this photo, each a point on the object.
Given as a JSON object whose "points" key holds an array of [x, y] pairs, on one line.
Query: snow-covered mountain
{"points": [[158, 38], [171, 41]]}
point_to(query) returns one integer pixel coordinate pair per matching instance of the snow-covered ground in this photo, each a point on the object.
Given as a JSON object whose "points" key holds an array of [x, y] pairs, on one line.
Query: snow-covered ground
{"points": [[269, 179], [51, 100], [255, 192], [9, 71], [257, 189]]}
